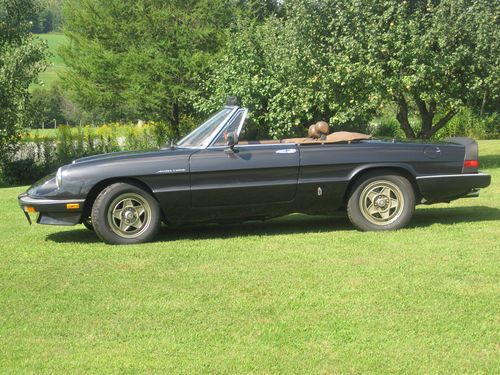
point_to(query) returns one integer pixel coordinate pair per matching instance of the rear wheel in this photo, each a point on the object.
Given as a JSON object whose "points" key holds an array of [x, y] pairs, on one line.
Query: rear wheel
{"points": [[381, 202], [125, 214]]}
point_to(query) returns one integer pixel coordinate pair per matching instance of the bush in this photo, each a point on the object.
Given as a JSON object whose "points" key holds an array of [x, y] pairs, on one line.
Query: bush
{"points": [[386, 127], [23, 171], [139, 138], [42, 152], [468, 124], [465, 124]]}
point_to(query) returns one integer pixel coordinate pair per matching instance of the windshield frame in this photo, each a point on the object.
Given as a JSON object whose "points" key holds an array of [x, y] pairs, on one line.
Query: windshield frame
{"points": [[214, 133], [238, 131]]}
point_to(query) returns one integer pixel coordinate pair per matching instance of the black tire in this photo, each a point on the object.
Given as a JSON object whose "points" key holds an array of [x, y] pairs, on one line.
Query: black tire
{"points": [[88, 223], [125, 214], [381, 201]]}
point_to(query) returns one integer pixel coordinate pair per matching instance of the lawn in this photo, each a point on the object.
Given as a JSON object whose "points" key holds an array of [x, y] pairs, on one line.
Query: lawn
{"points": [[54, 40], [294, 295]]}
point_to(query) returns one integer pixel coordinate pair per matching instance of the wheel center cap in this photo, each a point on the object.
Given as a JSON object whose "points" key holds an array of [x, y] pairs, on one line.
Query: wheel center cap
{"points": [[129, 215], [381, 202]]}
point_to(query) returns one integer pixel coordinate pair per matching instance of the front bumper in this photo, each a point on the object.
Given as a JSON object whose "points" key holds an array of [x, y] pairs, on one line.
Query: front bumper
{"points": [[444, 188], [52, 211]]}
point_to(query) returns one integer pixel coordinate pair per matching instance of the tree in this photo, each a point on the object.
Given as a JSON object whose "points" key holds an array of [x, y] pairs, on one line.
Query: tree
{"points": [[341, 59], [46, 105], [435, 55], [48, 18], [283, 70], [259, 10], [139, 59], [22, 58], [53, 104]]}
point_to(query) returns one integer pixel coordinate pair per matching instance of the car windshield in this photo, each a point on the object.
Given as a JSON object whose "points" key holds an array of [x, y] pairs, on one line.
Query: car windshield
{"points": [[202, 134]]}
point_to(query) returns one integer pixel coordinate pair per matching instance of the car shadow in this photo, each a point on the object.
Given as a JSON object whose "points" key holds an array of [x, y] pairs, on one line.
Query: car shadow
{"points": [[298, 224], [426, 216]]}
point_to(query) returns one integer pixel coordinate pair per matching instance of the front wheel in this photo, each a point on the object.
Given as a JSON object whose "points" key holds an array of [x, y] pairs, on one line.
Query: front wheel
{"points": [[381, 202], [125, 214]]}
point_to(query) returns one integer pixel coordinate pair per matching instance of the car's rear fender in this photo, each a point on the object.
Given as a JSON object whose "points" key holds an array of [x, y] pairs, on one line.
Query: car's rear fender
{"points": [[402, 169]]}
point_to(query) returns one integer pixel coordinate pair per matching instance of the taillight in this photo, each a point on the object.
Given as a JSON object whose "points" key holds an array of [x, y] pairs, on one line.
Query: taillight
{"points": [[471, 164]]}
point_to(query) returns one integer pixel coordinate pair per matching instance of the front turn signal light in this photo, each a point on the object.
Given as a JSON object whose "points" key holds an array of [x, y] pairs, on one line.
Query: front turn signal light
{"points": [[72, 206], [30, 209]]}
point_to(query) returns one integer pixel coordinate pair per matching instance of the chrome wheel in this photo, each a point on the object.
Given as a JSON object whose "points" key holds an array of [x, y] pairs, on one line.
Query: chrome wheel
{"points": [[129, 215], [381, 202]]}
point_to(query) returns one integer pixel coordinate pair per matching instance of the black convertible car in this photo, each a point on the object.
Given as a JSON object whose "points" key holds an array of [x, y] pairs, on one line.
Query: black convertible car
{"points": [[212, 176]]}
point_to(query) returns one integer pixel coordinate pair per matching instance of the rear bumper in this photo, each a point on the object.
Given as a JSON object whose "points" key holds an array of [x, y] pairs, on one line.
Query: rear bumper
{"points": [[445, 188], [52, 211]]}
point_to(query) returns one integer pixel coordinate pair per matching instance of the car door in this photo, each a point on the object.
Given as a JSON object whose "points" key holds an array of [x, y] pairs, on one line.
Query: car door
{"points": [[253, 174], [249, 174]]}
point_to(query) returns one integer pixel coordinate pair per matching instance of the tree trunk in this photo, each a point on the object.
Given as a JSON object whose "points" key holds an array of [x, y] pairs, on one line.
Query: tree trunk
{"points": [[402, 116], [483, 104], [440, 124], [426, 116]]}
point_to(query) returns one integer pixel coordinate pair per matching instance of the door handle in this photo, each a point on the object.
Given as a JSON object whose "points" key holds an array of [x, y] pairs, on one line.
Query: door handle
{"points": [[287, 151]]}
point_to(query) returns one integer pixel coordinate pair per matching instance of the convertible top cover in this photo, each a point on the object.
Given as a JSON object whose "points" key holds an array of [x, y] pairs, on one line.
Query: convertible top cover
{"points": [[335, 137]]}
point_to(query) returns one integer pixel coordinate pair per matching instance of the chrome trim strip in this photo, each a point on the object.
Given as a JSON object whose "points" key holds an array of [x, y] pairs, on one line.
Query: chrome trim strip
{"points": [[254, 145], [453, 175], [27, 200]]}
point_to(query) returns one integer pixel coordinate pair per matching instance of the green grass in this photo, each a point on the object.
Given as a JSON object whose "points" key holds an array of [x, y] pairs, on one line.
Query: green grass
{"points": [[43, 133], [294, 295], [57, 66]]}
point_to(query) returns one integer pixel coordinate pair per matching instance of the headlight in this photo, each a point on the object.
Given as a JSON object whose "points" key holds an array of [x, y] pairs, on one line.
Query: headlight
{"points": [[59, 178]]}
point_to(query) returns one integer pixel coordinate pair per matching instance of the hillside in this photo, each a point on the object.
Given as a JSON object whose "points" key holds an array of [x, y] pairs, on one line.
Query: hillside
{"points": [[57, 65]]}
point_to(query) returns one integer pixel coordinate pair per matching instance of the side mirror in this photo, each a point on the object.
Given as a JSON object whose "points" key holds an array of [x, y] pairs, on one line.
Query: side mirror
{"points": [[231, 139]]}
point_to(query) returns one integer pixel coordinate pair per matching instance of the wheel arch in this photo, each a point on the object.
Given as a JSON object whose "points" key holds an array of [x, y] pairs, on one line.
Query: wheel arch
{"points": [[400, 169], [101, 185]]}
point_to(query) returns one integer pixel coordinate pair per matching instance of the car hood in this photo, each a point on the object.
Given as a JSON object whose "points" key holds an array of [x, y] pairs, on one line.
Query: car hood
{"points": [[112, 155], [124, 155], [79, 177]]}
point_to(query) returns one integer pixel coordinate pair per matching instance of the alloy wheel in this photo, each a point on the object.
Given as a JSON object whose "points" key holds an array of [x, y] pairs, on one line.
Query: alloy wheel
{"points": [[381, 202], [129, 215]]}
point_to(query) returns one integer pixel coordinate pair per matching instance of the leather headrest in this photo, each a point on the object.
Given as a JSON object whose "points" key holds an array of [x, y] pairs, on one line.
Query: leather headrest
{"points": [[318, 130], [323, 127], [313, 132]]}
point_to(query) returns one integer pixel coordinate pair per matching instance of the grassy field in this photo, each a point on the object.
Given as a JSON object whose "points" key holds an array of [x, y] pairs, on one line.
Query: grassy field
{"points": [[294, 295], [57, 65]]}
